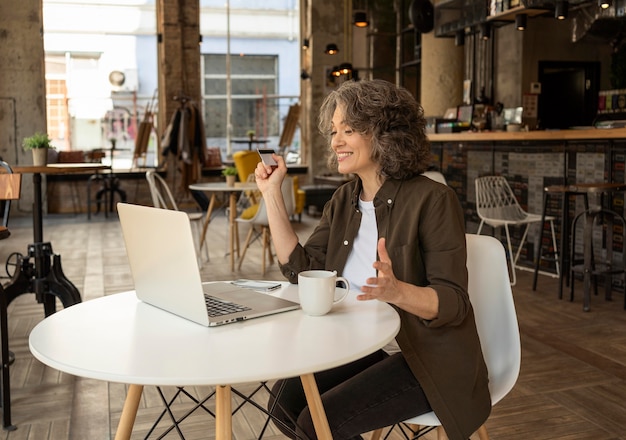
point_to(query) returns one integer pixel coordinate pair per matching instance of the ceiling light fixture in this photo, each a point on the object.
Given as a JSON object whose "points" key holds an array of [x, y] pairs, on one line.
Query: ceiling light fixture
{"points": [[521, 20], [604, 4], [331, 49], [459, 38], [485, 31], [561, 9], [360, 19], [345, 69]]}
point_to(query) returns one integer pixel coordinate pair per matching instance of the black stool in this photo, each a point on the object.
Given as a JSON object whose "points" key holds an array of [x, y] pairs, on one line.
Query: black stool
{"points": [[603, 220], [561, 257], [109, 186]]}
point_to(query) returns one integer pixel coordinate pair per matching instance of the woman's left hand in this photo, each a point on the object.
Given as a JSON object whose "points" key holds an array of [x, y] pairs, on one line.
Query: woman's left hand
{"points": [[386, 287]]}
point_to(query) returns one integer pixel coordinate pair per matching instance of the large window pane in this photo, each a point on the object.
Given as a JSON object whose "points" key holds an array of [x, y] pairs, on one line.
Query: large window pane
{"points": [[254, 78]]}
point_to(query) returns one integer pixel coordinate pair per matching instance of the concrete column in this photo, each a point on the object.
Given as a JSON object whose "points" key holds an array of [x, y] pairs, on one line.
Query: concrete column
{"points": [[442, 74], [22, 80], [22, 86], [178, 31], [323, 24]]}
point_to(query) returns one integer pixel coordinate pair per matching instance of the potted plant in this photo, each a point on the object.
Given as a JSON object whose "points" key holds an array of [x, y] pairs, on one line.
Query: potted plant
{"points": [[231, 174], [39, 143], [251, 134]]}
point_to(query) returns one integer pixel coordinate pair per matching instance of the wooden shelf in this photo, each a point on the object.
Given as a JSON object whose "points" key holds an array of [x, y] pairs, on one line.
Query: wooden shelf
{"points": [[509, 14]]}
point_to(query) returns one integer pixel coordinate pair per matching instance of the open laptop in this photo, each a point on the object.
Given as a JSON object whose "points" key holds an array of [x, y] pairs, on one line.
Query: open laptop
{"points": [[162, 258]]}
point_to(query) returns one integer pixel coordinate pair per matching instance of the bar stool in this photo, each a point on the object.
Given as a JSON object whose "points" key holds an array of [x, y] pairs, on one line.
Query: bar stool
{"points": [[561, 257], [566, 191], [604, 221]]}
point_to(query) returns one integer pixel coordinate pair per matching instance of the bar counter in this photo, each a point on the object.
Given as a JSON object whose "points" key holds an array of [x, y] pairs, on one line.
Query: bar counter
{"points": [[531, 161], [538, 135]]}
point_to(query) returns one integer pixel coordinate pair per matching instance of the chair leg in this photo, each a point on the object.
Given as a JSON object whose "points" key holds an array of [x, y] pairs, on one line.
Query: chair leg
{"points": [[482, 433], [480, 227], [556, 249], [441, 433], [510, 249], [546, 195], [376, 434], [245, 246], [521, 244], [197, 231]]}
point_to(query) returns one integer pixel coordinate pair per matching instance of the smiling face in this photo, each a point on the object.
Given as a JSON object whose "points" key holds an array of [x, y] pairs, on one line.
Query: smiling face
{"points": [[352, 149]]}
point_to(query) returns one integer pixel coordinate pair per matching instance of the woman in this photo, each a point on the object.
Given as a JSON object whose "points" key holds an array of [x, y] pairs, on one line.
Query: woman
{"points": [[398, 237]]}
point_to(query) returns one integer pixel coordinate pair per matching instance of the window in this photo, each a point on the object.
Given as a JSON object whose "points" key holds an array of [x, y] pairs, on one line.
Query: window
{"points": [[255, 106]]}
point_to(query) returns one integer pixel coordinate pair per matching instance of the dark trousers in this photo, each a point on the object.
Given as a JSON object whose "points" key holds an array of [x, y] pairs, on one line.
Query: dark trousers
{"points": [[370, 393]]}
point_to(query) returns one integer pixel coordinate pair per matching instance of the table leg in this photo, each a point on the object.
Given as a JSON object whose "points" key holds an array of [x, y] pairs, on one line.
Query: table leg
{"points": [[223, 413], [129, 412], [207, 219], [313, 399], [565, 257]]}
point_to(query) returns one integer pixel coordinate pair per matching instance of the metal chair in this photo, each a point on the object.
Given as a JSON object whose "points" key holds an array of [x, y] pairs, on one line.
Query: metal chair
{"points": [[490, 292], [497, 206], [163, 198]]}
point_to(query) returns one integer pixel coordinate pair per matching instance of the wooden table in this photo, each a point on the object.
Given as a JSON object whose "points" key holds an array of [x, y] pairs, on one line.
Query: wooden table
{"points": [[217, 187]]}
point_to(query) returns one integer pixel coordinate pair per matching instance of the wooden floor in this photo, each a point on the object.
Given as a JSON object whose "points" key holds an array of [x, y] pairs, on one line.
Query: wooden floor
{"points": [[572, 383]]}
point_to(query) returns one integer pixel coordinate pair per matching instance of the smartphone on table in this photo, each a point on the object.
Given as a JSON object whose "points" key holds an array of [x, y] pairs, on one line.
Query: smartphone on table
{"points": [[266, 157]]}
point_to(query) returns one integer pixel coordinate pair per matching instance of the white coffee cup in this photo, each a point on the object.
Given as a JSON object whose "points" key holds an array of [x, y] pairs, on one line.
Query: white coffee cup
{"points": [[316, 289]]}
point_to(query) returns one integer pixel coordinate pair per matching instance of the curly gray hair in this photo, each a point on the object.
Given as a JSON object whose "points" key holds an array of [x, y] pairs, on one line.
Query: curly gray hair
{"points": [[391, 116]]}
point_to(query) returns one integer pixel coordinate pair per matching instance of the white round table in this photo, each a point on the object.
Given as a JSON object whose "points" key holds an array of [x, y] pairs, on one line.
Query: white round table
{"points": [[121, 339]]}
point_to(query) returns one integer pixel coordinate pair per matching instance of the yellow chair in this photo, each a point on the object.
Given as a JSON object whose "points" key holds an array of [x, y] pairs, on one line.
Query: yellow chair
{"points": [[300, 198], [245, 162]]}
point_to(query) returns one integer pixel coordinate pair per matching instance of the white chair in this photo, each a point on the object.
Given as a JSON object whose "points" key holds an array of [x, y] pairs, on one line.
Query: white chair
{"points": [[492, 299], [497, 206], [260, 220], [163, 198], [436, 176]]}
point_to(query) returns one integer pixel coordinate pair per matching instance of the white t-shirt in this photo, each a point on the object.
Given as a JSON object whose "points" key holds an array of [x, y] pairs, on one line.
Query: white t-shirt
{"points": [[359, 265]]}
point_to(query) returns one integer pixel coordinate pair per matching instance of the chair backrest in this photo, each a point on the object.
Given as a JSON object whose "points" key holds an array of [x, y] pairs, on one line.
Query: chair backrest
{"points": [[492, 299], [496, 200], [162, 196], [436, 176], [245, 162], [10, 185]]}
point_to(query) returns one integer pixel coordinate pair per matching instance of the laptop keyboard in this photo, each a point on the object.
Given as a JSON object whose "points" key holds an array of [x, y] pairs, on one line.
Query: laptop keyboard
{"points": [[218, 307]]}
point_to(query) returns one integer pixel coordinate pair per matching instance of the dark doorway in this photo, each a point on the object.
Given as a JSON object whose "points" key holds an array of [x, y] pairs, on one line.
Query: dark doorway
{"points": [[569, 93]]}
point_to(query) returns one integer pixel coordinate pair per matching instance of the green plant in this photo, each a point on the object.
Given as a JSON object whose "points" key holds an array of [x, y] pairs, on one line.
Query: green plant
{"points": [[229, 171], [38, 140]]}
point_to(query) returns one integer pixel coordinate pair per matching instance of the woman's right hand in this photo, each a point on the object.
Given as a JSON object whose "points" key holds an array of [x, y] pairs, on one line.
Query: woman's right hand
{"points": [[268, 177]]}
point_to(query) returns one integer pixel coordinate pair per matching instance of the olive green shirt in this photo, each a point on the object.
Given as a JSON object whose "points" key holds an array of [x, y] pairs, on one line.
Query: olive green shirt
{"points": [[424, 228]]}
